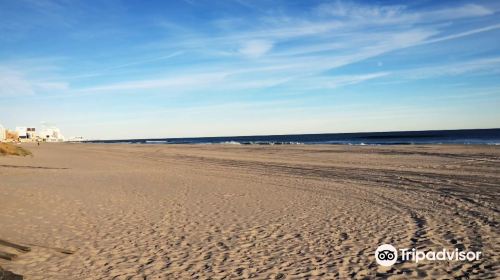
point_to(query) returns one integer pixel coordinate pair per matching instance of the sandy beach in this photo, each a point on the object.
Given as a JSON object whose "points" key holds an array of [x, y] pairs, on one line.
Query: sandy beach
{"points": [[122, 211]]}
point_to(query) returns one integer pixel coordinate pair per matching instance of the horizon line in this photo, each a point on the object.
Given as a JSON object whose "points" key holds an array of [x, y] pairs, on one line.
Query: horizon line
{"points": [[267, 135]]}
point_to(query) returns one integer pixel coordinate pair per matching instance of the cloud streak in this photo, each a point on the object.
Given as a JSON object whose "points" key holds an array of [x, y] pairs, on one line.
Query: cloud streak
{"points": [[256, 48]]}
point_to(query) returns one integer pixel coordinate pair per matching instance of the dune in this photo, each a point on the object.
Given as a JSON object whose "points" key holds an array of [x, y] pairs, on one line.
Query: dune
{"points": [[12, 149]]}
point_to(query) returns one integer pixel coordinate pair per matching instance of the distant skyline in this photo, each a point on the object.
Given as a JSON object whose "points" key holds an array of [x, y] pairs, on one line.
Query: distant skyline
{"points": [[153, 69]]}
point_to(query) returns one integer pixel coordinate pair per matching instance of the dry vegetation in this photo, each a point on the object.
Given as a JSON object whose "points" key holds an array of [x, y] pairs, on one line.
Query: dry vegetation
{"points": [[10, 149]]}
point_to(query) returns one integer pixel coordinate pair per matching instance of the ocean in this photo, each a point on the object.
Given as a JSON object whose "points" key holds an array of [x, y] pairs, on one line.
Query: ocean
{"points": [[463, 136]]}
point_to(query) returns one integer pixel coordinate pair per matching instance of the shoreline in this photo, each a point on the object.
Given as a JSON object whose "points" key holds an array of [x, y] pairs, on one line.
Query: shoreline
{"points": [[459, 136]]}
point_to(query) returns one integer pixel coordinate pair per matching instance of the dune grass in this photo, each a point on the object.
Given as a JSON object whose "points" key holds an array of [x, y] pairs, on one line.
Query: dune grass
{"points": [[11, 149]]}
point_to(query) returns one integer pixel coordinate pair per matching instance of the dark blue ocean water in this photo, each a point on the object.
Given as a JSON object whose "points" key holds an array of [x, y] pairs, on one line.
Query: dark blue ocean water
{"points": [[464, 136]]}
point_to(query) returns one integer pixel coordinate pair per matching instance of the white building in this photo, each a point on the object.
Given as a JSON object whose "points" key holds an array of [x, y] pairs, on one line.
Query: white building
{"points": [[22, 132], [51, 134], [2, 133], [26, 133]]}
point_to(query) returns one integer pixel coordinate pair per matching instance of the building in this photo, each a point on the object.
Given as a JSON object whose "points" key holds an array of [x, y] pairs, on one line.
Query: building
{"points": [[51, 134], [26, 134], [22, 132], [2, 133], [31, 133], [11, 136]]}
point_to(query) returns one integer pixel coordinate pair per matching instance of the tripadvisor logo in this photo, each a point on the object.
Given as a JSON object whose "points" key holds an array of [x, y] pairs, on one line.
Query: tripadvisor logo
{"points": [[387, 255]]}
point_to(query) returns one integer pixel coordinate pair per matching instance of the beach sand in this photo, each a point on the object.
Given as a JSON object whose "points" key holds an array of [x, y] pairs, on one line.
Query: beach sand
{"points": [[122, 211]]}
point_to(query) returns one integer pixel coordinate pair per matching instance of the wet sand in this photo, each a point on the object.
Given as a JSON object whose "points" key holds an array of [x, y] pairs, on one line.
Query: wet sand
{"points": [[102, 211]]}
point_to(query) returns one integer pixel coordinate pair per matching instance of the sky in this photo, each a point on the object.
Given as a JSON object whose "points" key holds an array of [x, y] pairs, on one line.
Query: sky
{"points": [[153, 69]]}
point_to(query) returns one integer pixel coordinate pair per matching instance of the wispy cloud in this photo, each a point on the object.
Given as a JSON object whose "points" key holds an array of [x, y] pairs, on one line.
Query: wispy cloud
{"points": [[285, 70], [376, 14], [346, 9], [488, 65], [256, 48], [463, 34], [302, 60], [14, 84], [172, 82], [17, 84], [112, 69], [464, 11], [334, 82]]}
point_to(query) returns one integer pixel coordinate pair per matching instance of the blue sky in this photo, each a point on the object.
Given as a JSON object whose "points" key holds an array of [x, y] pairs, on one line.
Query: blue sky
{"points": [[140, 69]]}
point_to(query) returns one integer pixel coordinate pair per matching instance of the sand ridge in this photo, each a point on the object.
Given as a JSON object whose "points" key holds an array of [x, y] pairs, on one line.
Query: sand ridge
{"points": [[102, 211]]}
